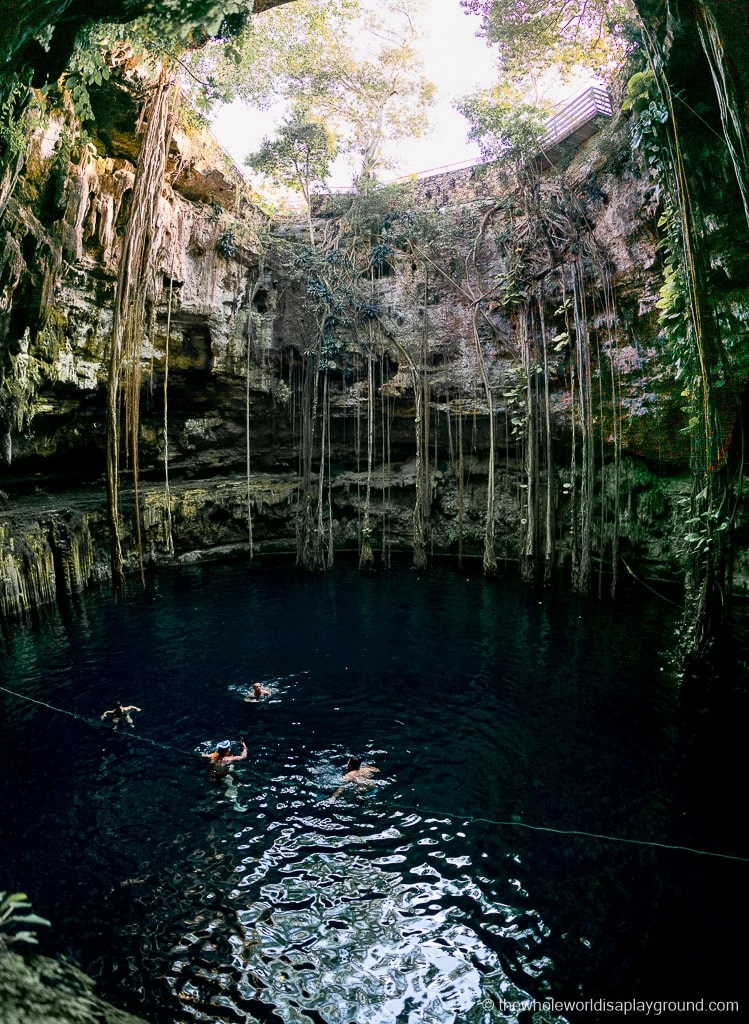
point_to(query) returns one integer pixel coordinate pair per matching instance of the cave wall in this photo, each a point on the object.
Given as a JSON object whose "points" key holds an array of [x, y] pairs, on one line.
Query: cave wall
{"points": [[27, 55], [239, 324]]}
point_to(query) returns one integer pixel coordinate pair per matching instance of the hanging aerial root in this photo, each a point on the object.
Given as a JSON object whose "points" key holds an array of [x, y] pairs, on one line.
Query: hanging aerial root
{"points": [[129, 314]]}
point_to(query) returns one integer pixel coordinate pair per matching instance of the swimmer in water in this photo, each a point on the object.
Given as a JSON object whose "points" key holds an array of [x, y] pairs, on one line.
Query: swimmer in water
{"points": [[120, 714], [256, 693], [222, 757], [357, 774]]}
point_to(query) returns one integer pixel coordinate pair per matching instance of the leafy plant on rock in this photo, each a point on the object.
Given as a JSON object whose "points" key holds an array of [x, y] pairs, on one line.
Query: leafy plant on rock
{"points": [[13, 907]]}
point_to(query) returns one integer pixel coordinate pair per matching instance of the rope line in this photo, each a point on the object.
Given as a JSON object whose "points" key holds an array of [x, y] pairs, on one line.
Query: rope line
{"points": [[420, 810], [579, 832], [97, 723], [648, 587]]}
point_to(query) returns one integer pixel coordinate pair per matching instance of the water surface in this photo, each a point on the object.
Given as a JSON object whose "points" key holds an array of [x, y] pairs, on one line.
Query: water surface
{"points": [[252, 898]]}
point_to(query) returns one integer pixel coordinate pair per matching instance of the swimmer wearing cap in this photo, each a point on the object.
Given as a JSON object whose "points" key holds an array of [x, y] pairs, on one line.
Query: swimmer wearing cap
{"points": [[222, 756]]}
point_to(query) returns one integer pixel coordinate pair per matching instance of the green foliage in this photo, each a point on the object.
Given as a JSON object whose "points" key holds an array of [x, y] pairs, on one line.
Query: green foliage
{"points": [[300, 155], [215, 210], [639, 91], [21, 113], [649, 125], [381, 255], [38, 990], [352, 61], [702, 528], [516, 388], [339, 298], [11, 907], [504, 127], [540, 34], [227, 243], [89, 66], [332, 350], [191, 120], [647, 134], [13, 121], [192, 23]]}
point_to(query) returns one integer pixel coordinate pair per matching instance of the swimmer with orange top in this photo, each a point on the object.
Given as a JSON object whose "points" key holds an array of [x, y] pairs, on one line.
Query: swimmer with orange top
{"points": [[222, 756]]}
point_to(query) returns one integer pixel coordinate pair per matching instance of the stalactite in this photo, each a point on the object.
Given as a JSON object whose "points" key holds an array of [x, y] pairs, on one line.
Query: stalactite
{"points": [[602, 455], [308, 546], [42, 561], [617, 435], [574, 554], [324, 429], [357, 453], [309, 532], [248, 436], [420, 556], [461, 492], [385, 468], [490, 557], [389, 422], [419, 544], [331, 552]]}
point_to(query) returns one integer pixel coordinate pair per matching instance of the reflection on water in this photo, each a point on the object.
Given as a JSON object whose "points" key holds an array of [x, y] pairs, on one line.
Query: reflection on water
{"points": [[354, 921], [251, 897]]}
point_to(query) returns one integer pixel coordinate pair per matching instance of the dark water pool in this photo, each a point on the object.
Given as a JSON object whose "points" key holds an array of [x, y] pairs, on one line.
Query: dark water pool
{"points": [[192, 898]]}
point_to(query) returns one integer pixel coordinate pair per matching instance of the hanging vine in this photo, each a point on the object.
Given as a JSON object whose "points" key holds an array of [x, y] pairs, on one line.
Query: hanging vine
{"points": [[694, 326], [129, 314], [167, 491]]}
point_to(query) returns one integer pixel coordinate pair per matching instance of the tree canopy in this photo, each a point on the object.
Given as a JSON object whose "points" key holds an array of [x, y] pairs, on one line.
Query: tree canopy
{"points": [[504, 125], [298, 157], [354, 63], [535, 35]]}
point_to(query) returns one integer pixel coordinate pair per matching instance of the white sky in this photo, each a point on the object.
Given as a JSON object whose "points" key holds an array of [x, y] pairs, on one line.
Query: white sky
{"points": [[454, 59]]}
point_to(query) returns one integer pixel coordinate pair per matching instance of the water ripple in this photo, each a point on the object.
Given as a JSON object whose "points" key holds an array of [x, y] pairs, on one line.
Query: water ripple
{"points": [[253, 898]]}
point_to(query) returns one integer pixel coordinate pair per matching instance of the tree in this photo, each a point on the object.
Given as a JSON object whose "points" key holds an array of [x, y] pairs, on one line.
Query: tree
{"points": [[505, 127], [353, 61], [541, 34], [299, 157], [382, 97]]}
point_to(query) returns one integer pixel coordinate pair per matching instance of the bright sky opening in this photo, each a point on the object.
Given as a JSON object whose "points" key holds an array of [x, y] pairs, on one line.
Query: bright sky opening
{"points": [[455, 59]]}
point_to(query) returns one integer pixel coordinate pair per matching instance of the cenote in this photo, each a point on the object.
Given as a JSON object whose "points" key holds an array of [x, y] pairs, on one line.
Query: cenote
{"points": [[481, 702]]}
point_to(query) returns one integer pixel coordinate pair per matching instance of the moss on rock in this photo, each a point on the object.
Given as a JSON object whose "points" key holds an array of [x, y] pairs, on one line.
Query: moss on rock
{"points": [[38, 990]]}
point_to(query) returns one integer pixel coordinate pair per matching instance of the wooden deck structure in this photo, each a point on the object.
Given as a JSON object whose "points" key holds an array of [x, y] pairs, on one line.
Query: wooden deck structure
{"points": [[577, 121]]}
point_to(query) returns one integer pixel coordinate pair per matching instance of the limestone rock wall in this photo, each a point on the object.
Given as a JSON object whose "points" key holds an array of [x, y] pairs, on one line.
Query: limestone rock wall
{"points": [[238, 324]]}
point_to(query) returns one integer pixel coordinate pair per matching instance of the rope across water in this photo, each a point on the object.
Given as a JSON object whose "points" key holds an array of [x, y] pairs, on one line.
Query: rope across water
{"points": [[420, 810]]}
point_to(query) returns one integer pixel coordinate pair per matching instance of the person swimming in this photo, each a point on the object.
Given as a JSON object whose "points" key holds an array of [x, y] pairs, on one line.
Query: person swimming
{"points": [[257, 693], [358, 775], [221, 757], [120, 714]]}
